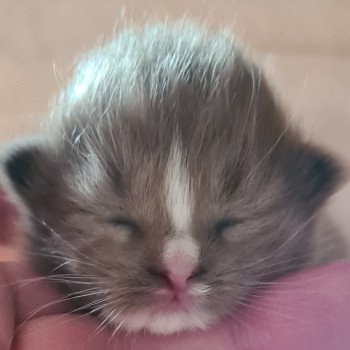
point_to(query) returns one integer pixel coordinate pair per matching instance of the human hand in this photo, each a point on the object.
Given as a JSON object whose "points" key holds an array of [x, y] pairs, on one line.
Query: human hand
{"points": [[309, 310]]}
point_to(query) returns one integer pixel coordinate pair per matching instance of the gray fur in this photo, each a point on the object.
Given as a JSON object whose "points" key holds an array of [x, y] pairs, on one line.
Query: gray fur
{"points": [[103, 153]]}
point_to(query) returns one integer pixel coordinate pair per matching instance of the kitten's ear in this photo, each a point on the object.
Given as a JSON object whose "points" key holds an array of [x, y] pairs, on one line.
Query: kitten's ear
{"points": [[316, 174], [29, 169]]}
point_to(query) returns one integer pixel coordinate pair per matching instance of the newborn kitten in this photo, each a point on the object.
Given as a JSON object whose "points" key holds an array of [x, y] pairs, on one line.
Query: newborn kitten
{"points": [[167, 184]]}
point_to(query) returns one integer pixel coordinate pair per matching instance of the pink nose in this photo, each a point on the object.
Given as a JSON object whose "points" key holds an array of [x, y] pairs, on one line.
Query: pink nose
{"points": [[177, 275], [177, 281], [177, 272]]}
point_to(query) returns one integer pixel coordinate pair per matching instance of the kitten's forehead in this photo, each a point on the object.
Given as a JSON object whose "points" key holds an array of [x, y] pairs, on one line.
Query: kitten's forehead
{"points": [[179, 202], [187, 131], [179, 198]]}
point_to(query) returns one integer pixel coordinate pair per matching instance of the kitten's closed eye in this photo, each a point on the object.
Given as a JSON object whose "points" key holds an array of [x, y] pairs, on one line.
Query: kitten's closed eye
{"points": [[125, 225], [225, 224]]}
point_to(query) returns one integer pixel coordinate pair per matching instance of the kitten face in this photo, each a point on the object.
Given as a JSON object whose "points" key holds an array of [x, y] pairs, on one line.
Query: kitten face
{"points": [[167, 185]]}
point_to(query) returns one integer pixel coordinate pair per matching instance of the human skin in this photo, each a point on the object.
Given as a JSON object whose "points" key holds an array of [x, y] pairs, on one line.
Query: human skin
{"points": [[307, 310]]}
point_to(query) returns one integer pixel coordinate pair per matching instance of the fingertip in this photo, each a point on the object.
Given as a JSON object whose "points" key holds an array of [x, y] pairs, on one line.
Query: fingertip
{"points": [[32, 295], [58, 332], [7, 312]]}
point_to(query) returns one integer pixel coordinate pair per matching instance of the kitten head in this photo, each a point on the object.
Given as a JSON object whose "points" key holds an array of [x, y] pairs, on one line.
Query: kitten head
{"points": [[167, 184]]}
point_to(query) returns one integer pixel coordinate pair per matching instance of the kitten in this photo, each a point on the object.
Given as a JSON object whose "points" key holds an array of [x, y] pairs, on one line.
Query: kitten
{"points": [[167, 184]]}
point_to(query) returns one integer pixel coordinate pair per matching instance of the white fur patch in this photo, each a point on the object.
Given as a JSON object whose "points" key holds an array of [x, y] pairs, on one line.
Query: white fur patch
{"points": [[183, 249], [165, 322], [179, 203], [179, 199]]}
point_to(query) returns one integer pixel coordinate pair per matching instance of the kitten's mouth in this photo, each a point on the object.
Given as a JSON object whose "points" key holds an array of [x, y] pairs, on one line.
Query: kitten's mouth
{"points": [[165, 320], [169, 312], [175, 300], [172, 300]]}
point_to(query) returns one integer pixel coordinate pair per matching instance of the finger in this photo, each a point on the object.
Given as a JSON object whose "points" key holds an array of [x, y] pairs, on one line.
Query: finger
{"points": [[61, 332], [215, 338], [7, 313], [33, 296], [7, 218], [308, 310], [289, 315]]}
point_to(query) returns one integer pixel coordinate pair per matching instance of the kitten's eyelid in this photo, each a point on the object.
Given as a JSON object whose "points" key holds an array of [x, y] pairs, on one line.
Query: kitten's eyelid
{"points": [[124, 222], [226, 223]]}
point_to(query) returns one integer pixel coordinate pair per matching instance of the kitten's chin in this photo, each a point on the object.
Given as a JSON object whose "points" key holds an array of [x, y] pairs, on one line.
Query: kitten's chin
{"points": [[164, 323]]}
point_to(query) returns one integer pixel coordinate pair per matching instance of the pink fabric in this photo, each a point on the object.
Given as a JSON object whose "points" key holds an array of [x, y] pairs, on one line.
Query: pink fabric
{"points": [[308, 310]]}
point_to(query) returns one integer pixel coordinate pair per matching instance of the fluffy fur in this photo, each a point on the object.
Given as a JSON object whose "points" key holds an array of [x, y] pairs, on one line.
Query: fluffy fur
{"points": [[168, 132]]}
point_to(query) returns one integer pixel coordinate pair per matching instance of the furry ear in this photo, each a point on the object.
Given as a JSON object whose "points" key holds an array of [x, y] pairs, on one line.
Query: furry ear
{"points": [[21, 167], [316, 175], [30, 170]]}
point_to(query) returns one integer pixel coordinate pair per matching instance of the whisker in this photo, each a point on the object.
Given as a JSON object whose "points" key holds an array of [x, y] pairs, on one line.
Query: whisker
{"points": [[103, 324], [42, 222], [60, 257], [68, 278], [121, 323], [253, 306], [68, 297], [62, 316], [258, 262]]}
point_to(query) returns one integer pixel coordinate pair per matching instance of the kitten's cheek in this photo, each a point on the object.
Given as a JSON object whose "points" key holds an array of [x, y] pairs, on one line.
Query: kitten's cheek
{"points": [[115, 236], [122, 236], [232, 235]]}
